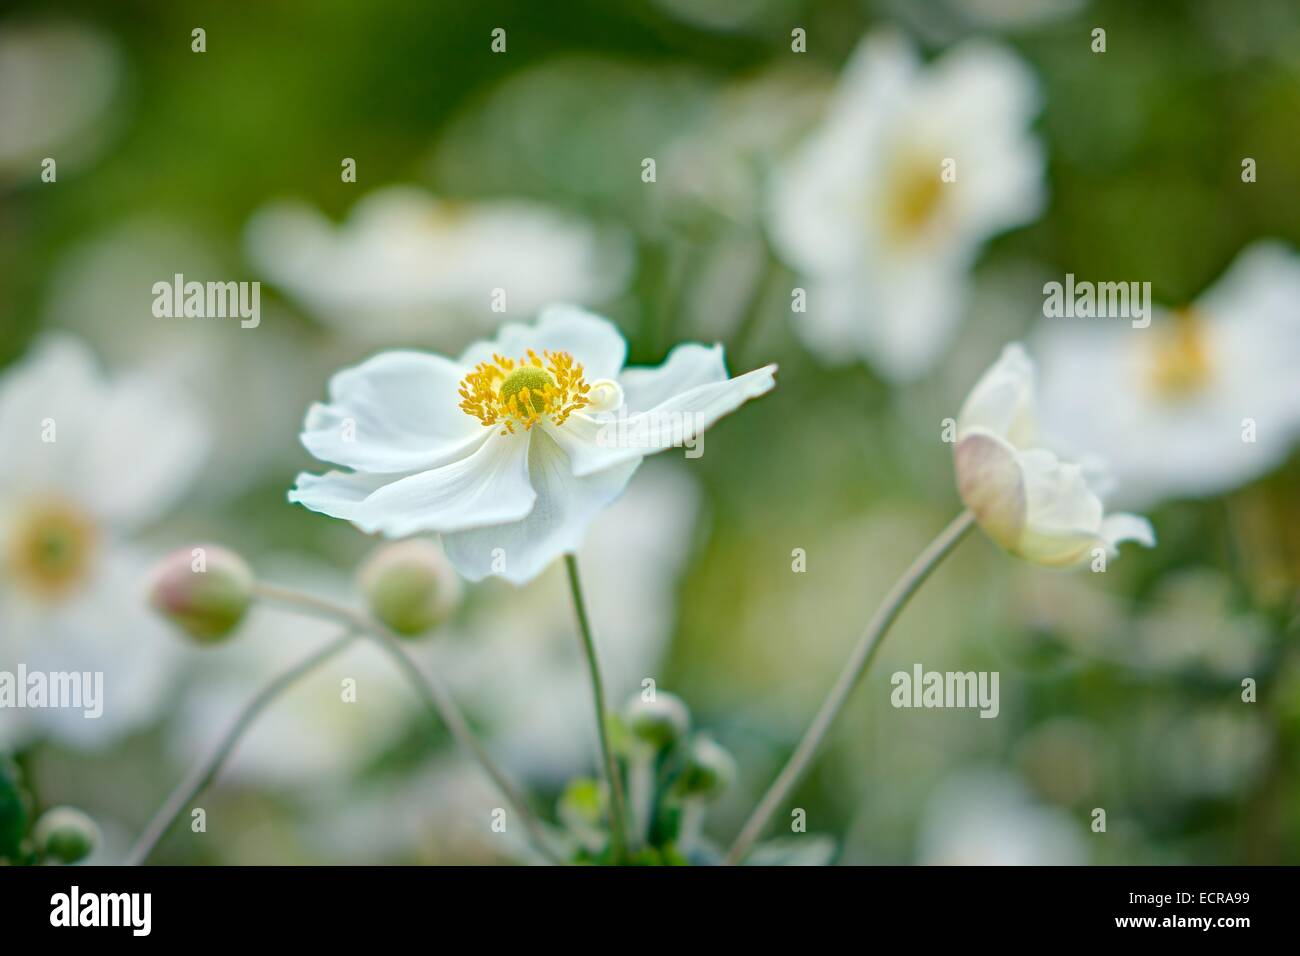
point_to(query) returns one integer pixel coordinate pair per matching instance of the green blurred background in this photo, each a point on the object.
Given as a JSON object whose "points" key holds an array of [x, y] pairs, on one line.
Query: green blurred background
{"points": [[1110, 693]]}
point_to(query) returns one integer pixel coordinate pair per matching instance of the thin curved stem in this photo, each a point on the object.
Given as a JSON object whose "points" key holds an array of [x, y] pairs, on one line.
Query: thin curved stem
{"points": [[431, 691], [617, 818], [855, 667], [206, 772]]}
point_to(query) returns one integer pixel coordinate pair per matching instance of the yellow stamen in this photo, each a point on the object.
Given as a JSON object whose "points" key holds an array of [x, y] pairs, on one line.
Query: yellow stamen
{"points": [[51, 550], [914, 197], [1180, 365], [509, 393]]}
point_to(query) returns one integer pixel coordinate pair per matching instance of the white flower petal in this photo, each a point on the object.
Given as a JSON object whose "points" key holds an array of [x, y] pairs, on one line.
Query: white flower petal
{"points": [[1057, 494], [819, 201], [906, 311], [595, 343], [1002, 401], [489, 487], [147, 445], [57, 383], [1056, 549], [398, 411], [685, 367], [566, 505], [594, 444], [991, 485], [336, 493], [1123, 526], [105, 627]]}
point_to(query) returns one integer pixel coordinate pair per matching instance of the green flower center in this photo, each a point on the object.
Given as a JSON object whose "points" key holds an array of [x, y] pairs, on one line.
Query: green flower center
{"points": [[530, 377]]}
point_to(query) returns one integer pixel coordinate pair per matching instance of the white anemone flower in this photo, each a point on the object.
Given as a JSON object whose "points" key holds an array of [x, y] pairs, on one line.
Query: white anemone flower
{"points": [[87, 461], [407, 264], [1198, 403], [1026, 499], [510, 450], [884, 210]]}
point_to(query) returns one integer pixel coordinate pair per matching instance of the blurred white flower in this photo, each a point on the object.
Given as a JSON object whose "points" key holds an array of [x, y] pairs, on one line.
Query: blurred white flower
{"points": [[721, 158], [1203, 400], [509, 461], [407, 265], [1026, 499], [885, 209], [442, 814], [988, 818], [56, 80], [87, 461]]}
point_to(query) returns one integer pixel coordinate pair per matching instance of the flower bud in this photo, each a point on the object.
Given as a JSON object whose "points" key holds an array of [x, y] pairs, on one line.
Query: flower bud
{"points": [[709, 769], [65, 834], [410, 586], [204, 591], [660, 722]]}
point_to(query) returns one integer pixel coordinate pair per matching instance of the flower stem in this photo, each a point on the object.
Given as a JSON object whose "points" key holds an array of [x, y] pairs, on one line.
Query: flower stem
{"points": [[431, 691], [854, 668], [617, 825], [206, 772]]}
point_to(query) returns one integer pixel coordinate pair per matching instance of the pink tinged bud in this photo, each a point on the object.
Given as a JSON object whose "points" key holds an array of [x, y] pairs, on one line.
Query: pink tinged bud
{"points": [[410, 586], [205, 591], [991, 485]]}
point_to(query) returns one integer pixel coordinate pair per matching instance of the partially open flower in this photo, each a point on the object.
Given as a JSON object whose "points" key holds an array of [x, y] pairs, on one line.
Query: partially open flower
{"points": [[204, 591], [660, 722], [65, 834], [410, 586], [1026, 499], [709, 769]]}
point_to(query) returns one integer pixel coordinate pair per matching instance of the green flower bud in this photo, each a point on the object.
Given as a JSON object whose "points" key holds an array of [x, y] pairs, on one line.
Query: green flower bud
{"points": [[66, 834], [660, 722], [205, 591], [709, 769], [410, 586]]}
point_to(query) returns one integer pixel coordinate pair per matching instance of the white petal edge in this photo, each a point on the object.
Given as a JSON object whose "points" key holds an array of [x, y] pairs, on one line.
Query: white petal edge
{"points": [[686, 366], [594, 444], [337, 493], [1123, 526], [566, 505], [397, 411], [489, 487], [594, 342], [1002, 401]]}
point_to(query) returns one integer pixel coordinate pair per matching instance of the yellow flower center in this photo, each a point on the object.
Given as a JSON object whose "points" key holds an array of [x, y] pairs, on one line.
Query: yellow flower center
{"points": [[1180, 363], [915, 196], [51, 550], [509, 393]]}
